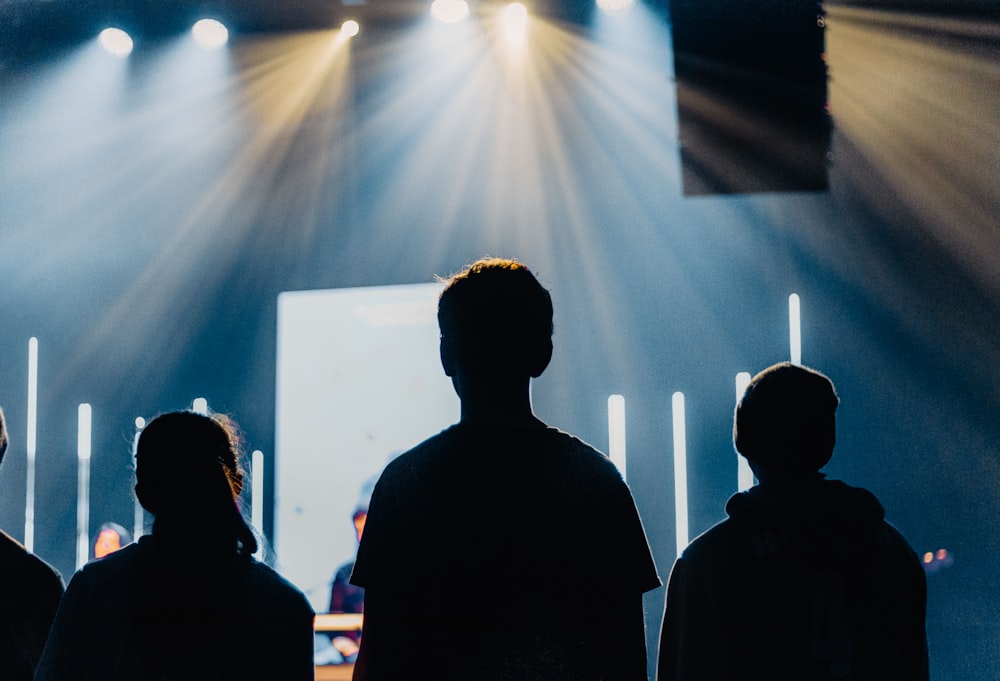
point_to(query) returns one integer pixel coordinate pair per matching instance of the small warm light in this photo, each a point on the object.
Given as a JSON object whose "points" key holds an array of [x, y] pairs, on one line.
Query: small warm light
{"points": [[615, 6], [515, 20], [942, 554], [116, 42], [350, 28], [928, 557], [449, 11], [210, 34]]}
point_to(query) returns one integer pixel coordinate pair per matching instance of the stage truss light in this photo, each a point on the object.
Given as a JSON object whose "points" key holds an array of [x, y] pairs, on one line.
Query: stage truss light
{"points": [[116, 42], [210, 34], [615, 6], [350, 28], [449, 11]]}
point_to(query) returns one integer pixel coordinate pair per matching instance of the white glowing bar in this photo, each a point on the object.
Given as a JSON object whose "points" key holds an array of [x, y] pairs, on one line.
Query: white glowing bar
{"points": [[680, 472], [744, 476], [138, 514], [616, 432], [257, 490], [200, 406], [795, 328], [32, 445], [83, 444]]}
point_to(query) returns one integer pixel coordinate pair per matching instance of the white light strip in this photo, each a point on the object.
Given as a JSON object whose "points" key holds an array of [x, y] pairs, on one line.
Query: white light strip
{"points": [[795, 328], [680, 472], [616, 432], [32, 445], [257, 490], [138, 514], [200, 406], [744, 476], [83, 444]]}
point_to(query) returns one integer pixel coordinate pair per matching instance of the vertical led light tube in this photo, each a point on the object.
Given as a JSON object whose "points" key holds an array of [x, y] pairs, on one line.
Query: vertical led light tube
{"points": [[32, 445], [83, 444], [257, 495], [680, 472], [200, 406], [795, 328], [616, 432], [139, 514], [744, 476]]}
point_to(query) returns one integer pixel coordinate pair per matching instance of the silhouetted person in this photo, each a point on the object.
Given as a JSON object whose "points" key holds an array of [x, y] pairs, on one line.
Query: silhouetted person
{"points": [[805, 581], [30, 590], [188, 602], [501, 548]]}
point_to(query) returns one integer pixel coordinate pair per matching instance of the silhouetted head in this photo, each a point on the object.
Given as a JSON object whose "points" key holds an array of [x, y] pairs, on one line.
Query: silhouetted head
{"points": [[3, 436], [188, 476], [496, 321], [785, 420]]}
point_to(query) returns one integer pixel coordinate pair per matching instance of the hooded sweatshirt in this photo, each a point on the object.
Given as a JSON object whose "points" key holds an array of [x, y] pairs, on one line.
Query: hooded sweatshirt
{"points": [[804, 580]]}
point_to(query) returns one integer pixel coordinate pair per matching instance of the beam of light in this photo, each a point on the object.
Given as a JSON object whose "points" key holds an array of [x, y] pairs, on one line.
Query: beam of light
{"points": [[212, 135], [200, 406], [794, 329], [449, 11], [680, 472], [744, 476], [616, 432], [116, 42], [515, 23], [257, 494], [83, 444], [32, 444], [210, 34], [350, 28]]}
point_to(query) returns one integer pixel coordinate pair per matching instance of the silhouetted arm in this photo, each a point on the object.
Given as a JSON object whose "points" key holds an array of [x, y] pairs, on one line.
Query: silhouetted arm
{"points": [[383, 655]]}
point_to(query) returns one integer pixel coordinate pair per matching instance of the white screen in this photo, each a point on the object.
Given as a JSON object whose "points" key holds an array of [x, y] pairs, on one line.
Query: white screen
{"points": [[359, 380]]}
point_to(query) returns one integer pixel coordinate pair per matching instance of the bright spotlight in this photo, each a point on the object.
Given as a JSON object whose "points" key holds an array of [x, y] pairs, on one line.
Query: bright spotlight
{"points": [[449, 11], [210, 34], [615, 6], [350, 28], [515, 20], [116, 42]]}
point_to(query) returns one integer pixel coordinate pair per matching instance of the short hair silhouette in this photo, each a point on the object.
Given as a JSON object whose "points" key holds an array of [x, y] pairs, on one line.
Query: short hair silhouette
{"points": [[785, 420], [496, 318], [188, 474]]}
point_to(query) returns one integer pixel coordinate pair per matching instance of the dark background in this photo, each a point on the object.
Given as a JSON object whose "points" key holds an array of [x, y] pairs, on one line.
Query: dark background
{"points": [[150, 217]]}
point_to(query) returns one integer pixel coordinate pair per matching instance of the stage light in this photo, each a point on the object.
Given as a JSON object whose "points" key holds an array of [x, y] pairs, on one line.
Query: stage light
{"points": [[210, 34], [615, 6], [449, 11], [744, 474], [515, 21], [200, 406], [616, 432], [116, 42], [680, 472], [83, 451], [794, 329], [29, 493], [350, 28]]}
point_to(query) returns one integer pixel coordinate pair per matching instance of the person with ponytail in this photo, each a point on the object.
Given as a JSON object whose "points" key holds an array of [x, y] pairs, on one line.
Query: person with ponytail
{"points": [[188, 601]]}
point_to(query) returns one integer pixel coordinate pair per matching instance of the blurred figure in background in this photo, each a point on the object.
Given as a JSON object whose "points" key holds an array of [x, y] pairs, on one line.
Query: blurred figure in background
{"points": [[30, 590], [188, 601]]}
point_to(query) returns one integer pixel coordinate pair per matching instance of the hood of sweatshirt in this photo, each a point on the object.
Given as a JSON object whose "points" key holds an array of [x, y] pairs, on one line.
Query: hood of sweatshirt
{"points": [[815, 498]]}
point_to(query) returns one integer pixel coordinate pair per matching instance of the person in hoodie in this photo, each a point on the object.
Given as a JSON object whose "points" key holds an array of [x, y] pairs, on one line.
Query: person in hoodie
{"points": [[805, 580]]}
